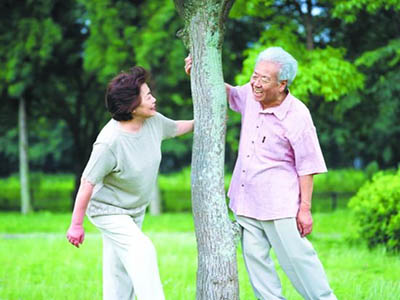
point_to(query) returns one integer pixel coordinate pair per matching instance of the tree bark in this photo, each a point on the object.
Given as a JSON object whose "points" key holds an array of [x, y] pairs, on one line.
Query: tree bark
{"points": [[155, 204], [23, 158], [308, 19], [203, 35]]}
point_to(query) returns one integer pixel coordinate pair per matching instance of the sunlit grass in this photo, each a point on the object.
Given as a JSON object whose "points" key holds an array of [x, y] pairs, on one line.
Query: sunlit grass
{"points": [[45, 266]]}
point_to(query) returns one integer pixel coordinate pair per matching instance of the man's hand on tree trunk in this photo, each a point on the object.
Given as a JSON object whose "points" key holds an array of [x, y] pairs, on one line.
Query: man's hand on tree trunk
{"points": [[188, 64]]}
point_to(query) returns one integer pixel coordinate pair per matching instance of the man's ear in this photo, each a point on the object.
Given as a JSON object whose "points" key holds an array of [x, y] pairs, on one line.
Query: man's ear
{"points": [[283, 85]]}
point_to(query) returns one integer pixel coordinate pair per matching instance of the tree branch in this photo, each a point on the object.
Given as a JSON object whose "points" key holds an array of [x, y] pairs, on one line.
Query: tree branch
{"points": [[309, 26], [226, 7], [296, 5], [180, 7], [184, 36]]}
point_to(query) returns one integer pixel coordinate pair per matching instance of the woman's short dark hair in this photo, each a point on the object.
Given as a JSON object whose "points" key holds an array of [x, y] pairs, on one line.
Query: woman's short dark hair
{"points": [[123, 93]]}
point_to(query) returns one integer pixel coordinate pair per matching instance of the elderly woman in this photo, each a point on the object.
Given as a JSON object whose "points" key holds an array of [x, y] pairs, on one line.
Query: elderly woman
{"points": [[117, 185]]}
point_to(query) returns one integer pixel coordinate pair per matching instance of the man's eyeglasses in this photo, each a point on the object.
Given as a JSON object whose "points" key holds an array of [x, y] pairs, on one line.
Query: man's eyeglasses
{"points": [[263, 79]]}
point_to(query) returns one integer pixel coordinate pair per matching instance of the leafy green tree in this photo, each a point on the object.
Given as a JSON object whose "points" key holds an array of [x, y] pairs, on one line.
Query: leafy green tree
{"points": [[48, 71], [323, 69], [100, 38], [158, 49], [348, 9], [123, 34], [342, 61], [371, 115], [30, 36], [58, 56]]}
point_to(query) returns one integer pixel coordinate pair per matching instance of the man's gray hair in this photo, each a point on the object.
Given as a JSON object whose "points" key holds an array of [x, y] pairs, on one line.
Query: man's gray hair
{"points": [[287, 63]]}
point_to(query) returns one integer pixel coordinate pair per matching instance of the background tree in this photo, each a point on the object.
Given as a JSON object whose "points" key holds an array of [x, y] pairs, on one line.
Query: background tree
{"points": [[30, 36], [303, 28], [372, 114], [323, 70], [354, 129], [96, 39], [203, 35]]}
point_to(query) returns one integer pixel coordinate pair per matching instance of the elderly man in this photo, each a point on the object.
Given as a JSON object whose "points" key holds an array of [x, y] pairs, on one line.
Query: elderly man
{"points": [[271, 187], [272, 183]]}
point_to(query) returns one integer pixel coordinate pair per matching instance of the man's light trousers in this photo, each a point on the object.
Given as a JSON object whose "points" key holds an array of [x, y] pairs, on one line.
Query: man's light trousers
{"points": [[129, 260], [295, 254]]}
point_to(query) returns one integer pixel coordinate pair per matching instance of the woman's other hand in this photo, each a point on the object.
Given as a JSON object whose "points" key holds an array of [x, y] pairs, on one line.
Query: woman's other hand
{"points": [[76, 234]]}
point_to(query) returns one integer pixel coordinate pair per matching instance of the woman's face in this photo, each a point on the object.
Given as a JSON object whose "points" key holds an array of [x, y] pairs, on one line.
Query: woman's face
{"points": [[147, 106]]}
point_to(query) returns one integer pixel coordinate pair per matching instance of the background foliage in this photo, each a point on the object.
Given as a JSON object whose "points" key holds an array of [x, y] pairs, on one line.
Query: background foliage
{"points": [[53, 192], [377, 208], [59, 55]]}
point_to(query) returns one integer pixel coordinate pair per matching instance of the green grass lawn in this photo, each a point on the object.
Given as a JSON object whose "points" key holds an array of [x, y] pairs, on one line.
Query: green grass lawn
{"points": [[36, 261]]}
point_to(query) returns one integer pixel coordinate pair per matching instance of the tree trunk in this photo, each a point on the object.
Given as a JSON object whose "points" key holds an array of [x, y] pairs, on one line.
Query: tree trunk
{"points": [[155, 204], [309, 25], [23, 158], [203, 35]]}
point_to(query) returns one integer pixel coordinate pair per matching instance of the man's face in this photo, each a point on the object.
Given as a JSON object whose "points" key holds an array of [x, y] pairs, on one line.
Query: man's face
{"points": [[264, 83]]}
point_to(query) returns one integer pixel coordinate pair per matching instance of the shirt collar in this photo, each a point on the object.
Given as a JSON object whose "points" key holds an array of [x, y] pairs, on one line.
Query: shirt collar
{"points": [[281, 110]]}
